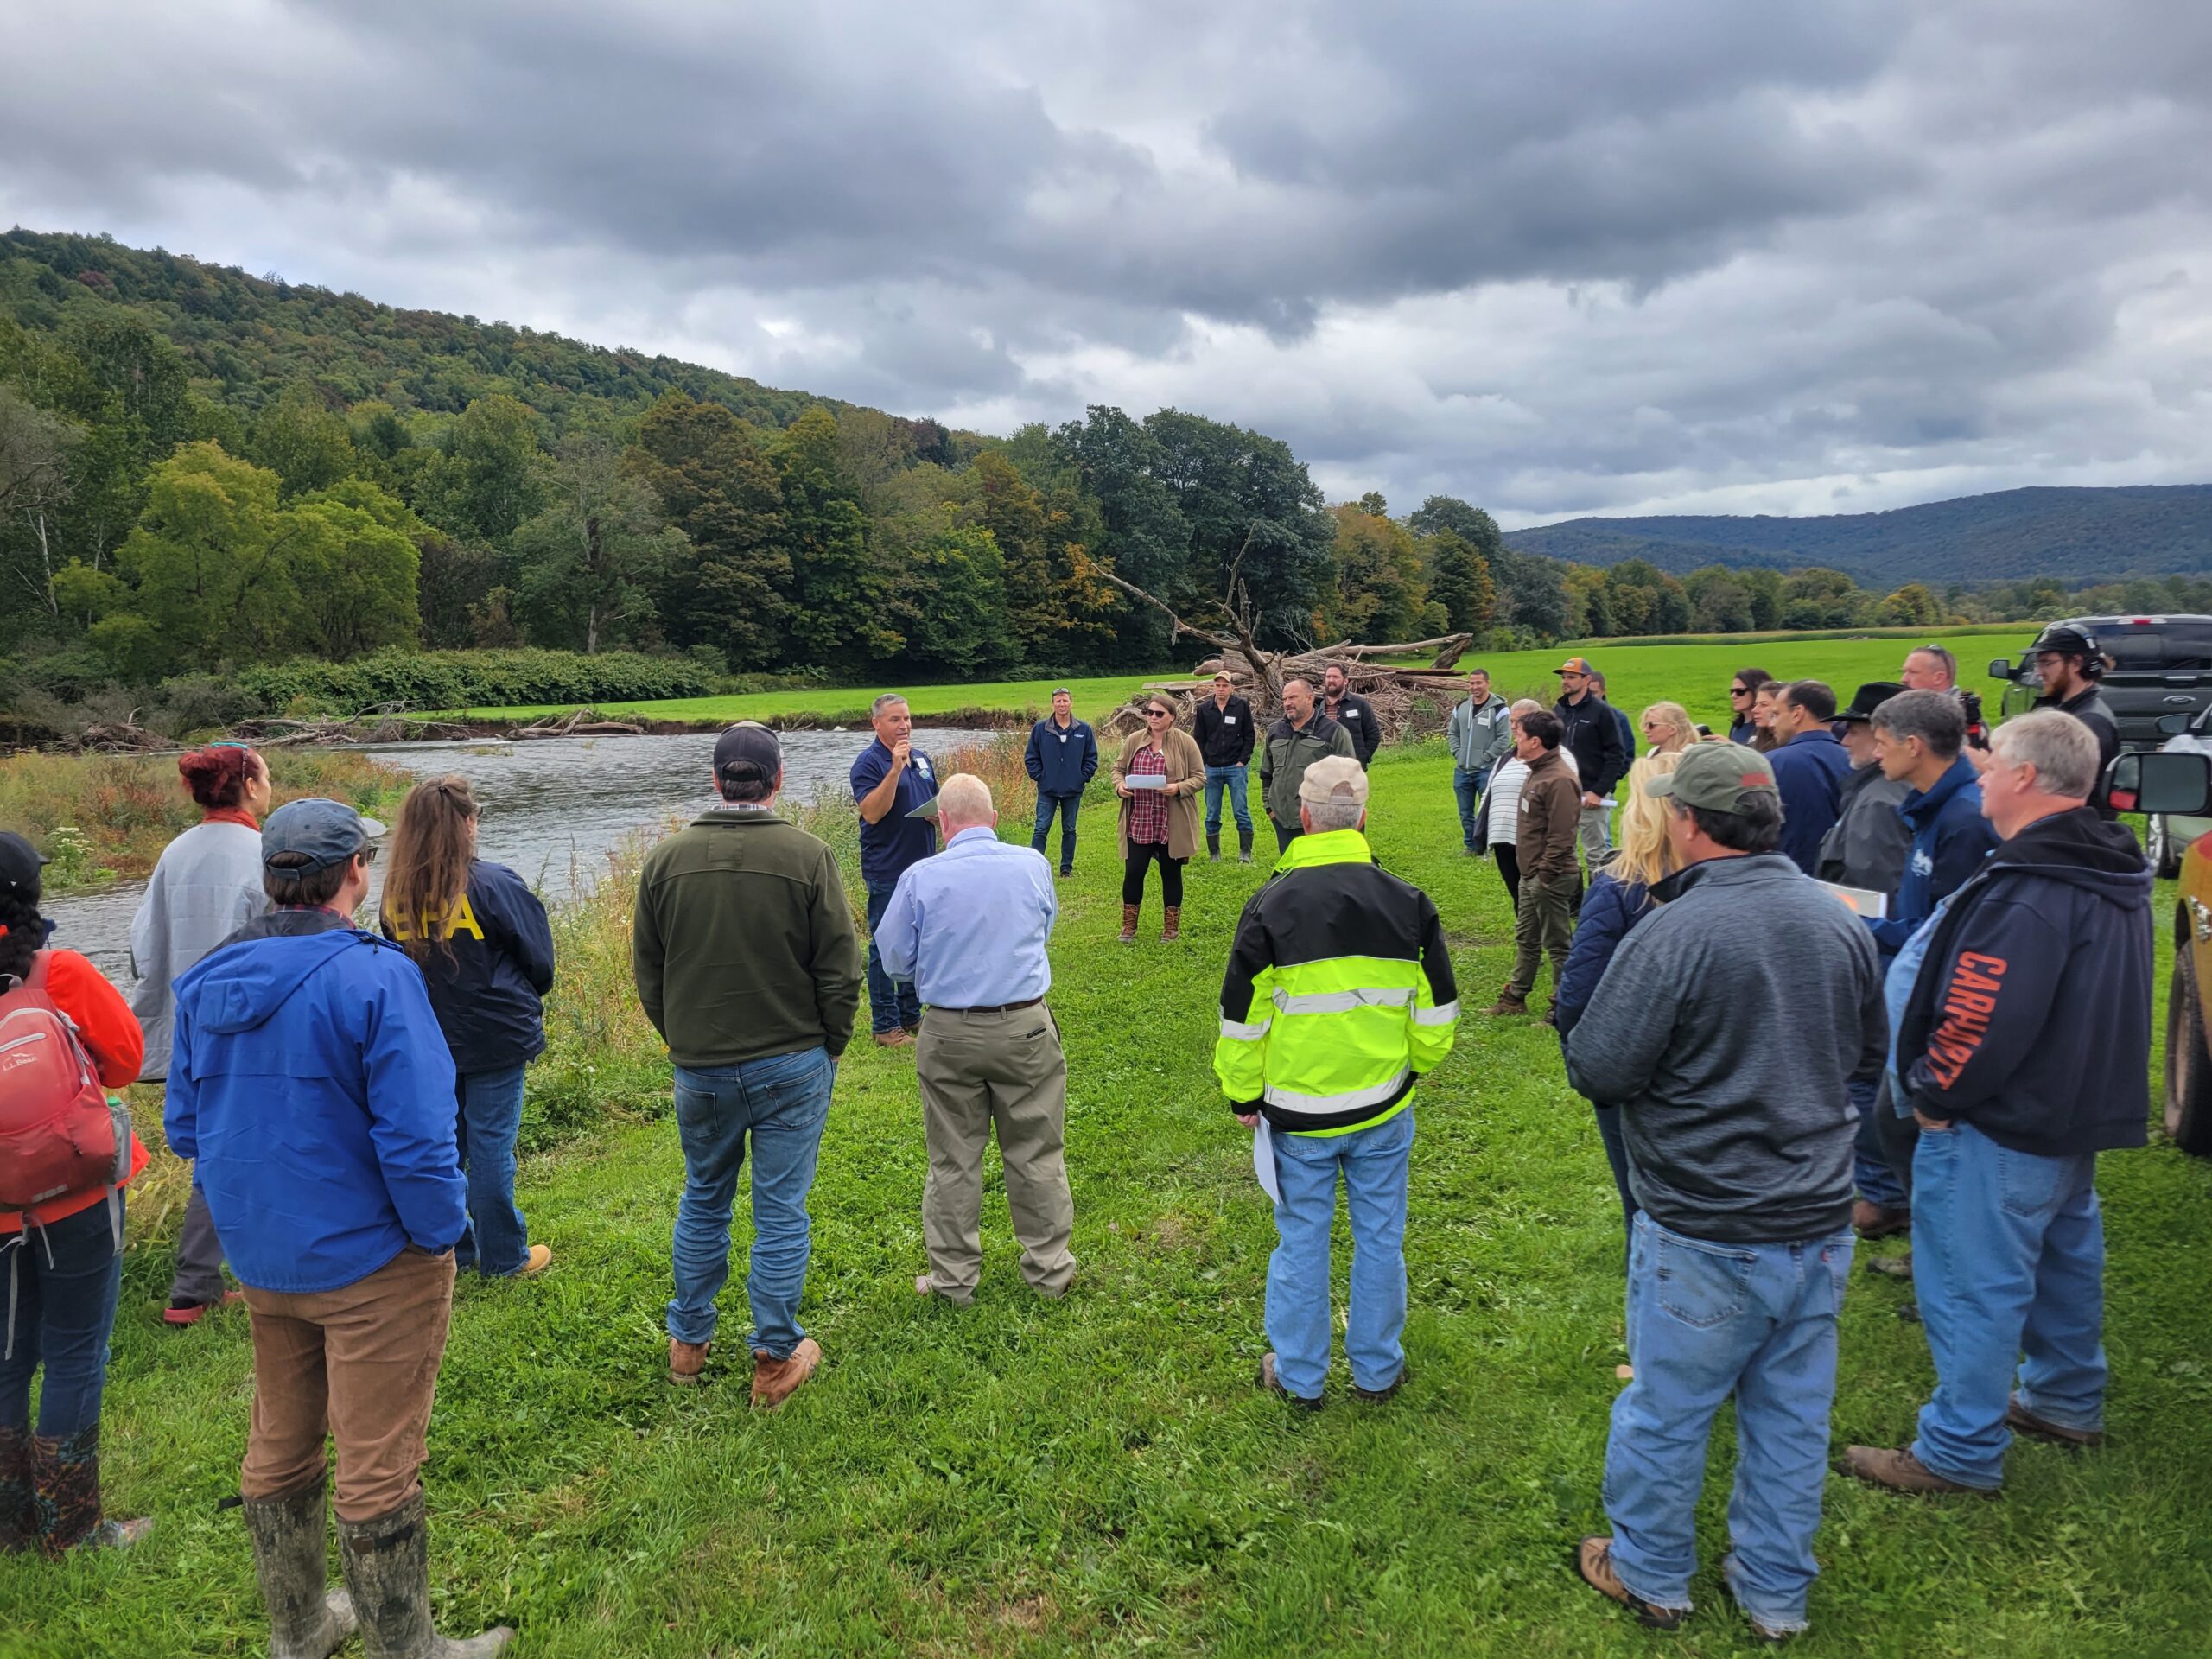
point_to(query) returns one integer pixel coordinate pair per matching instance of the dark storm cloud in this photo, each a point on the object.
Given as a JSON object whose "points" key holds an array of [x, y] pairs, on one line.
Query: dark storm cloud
{"points": [[1553, 255]]}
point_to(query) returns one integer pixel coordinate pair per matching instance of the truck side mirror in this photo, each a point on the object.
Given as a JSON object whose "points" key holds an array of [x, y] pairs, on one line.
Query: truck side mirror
{"points": [[2001, 668], [2174, 725], [2162, 782]]}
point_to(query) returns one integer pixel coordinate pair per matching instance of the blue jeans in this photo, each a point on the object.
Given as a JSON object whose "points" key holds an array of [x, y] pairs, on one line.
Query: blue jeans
{"points": [[1063, 807], [1235, 778], [781, 1103], [490, 1112], [1469, 786], [1374, 1163], [1615, 1142], [2008, 1259], [1706, 1320], [1877, 1183], [890, 1003], [67, 1278]]}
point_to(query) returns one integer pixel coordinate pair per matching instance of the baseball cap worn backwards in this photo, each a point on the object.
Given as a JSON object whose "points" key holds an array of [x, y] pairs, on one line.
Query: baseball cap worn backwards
{"points": [[749, 743], [1333, 778], [324, 832], [1716, 777], [20, 863]]}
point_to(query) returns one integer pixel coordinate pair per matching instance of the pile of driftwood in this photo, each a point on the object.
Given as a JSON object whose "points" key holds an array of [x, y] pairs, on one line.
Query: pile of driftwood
{"points": [[1405, 699]]}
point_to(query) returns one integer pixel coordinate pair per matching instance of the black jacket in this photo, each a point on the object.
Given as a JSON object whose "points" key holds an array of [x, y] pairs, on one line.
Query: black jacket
{"points": [[1357, 716], [1601, 760], [2031, 1018], [2090, 708], [489, 987], [1225, 735]]}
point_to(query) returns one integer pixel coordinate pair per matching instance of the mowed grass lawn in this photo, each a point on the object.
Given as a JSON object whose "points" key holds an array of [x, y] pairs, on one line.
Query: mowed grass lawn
{"points": [[1694, 676], [1101, 1475]]}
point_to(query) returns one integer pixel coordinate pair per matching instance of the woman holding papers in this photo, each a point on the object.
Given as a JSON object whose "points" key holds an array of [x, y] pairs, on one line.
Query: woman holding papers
{"points": [[1158, 777]]}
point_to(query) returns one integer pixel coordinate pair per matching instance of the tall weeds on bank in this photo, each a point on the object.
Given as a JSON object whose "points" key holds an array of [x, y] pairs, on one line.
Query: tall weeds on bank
{"points": [[124, 809]]}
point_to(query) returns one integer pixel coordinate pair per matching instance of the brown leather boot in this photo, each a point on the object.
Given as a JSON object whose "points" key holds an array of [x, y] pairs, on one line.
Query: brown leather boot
{"points": [[1899, 1470], [1171, 922], [775, 1381], [2021, 1420], [1593, 1564], [686, 1360], [1508, 1003], [1128, 924]]}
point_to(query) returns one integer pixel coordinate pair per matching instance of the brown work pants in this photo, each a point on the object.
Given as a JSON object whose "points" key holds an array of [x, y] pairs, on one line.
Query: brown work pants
{"points": [[359, 1364], [979, 1072]]}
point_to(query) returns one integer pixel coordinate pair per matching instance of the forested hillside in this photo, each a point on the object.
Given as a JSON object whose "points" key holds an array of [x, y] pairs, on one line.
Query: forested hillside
{"points": [[203, 472], [2081, 533]]}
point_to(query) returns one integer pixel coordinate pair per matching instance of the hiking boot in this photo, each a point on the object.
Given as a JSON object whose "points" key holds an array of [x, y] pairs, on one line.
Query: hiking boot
{"points": [[1897, 1469], [1892, 1267], [1244, 845], [1273, 1384], [1376, 1396], [897, 1037], [1213, 849], [306, 1618], [66, 1496], [1871, 1220], [18, 1512], [1509, 1003], [387, 1565], [539, 1259], [775, 1381], [183, 1311], [1593, 1565], [686, 1360], [1171, 922], [2021, 1420], [1129, 924]]}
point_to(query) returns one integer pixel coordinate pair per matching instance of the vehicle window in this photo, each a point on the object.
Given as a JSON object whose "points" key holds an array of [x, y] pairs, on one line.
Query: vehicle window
{"points": [[2184, 648]]}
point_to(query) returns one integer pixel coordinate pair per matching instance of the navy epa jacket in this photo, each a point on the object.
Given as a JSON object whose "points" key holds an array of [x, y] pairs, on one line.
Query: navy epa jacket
{"points": [[489, 992], [1061, 762]]}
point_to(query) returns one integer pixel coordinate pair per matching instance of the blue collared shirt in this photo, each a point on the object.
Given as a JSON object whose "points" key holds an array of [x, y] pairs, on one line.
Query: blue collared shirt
{"points": [[970, 926]]}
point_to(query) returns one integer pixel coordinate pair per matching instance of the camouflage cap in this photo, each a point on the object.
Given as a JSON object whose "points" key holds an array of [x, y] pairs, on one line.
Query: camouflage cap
{"points": [[1717, 777]]}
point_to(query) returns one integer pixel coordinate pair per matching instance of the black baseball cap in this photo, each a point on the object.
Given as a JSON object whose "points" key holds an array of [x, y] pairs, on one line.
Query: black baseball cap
{"points": [[749, 743], [1869, 697], [323, 832], [20, 863]]}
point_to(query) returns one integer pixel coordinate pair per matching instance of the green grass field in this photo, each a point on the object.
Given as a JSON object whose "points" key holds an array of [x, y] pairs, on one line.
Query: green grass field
{"points": [[1695, 676], [1099, 1475]]}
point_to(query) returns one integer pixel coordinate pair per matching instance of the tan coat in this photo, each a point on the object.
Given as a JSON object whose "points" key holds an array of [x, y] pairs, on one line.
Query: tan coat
{"points": [[1186, 776]]}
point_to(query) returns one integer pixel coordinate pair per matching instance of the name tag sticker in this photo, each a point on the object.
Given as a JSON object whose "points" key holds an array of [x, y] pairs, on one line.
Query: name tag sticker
{"points": [[1229, 720]]}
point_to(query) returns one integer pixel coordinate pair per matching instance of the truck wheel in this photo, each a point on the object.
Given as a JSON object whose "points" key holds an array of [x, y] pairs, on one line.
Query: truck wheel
{"points": [[2160, 847], [2189, 1067]]}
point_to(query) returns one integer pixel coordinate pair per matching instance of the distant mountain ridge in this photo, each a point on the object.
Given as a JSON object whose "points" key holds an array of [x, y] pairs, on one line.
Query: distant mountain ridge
{"points": [[2089, 534]]}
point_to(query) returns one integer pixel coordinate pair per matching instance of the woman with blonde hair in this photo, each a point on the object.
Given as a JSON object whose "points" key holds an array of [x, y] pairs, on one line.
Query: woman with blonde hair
{"points": [[1621, 895], [1667, 726], [486, 950]]}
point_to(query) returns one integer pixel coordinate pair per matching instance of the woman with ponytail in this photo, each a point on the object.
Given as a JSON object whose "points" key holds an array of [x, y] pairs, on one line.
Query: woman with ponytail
{"points": [[207, 886], [486, 951], [63, 1256]]}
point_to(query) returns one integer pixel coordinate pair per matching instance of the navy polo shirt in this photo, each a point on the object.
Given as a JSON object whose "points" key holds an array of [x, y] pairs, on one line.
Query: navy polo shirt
{"points": [[889, 847]]}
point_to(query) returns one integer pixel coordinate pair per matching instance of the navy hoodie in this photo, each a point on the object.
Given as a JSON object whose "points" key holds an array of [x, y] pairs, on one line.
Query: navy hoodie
{"points": [[489, 987], [2031, 1019], [1950, 838]]}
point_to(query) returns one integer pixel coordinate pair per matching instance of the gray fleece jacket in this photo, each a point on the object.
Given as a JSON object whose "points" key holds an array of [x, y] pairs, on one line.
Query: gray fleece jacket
{"points": [[1727, 1027]]}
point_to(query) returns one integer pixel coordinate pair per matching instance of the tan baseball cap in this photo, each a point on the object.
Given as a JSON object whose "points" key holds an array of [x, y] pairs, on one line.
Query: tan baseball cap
{"points": [[1333, 778]]}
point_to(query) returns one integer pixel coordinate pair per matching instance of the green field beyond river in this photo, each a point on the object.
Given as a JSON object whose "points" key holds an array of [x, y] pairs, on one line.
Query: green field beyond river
{"points": [[1099, 1475]]}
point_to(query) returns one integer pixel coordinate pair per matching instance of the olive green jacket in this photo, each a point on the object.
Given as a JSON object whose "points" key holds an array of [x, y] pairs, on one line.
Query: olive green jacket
{"points": [[1286, 755]]}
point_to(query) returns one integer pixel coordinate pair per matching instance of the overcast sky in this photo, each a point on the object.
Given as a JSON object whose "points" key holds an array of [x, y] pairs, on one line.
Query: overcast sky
{"points": [[1554, 255]]}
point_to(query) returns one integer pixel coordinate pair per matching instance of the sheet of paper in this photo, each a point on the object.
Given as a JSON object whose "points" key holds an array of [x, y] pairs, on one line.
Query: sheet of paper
{"points": [[1865, 900], [1144, 780], [1263, 1161]]}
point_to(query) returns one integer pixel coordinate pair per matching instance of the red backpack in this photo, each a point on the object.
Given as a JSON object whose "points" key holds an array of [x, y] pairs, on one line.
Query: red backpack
{"points": [[59, 1134]]}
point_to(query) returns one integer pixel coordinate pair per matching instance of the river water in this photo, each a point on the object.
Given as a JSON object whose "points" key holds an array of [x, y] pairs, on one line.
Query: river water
{"points": [[553, 809]]}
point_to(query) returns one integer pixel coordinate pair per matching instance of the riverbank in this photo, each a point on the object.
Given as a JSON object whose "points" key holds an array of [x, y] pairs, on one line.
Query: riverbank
{"points": [[1099, 1475], [105, 818]]}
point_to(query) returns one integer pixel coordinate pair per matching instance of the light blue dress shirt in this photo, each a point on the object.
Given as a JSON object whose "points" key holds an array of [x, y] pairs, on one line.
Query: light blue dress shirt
{"points": [[970, 926]]}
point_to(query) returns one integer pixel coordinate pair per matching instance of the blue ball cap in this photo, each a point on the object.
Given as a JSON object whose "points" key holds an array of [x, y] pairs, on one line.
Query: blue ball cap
{"points": [[325, 831]]}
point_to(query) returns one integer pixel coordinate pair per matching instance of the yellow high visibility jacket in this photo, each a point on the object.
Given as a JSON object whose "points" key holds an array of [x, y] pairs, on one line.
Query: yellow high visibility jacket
{"points": [[1339, 992]]}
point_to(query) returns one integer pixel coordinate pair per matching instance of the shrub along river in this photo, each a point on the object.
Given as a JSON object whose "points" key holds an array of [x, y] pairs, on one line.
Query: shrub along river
{"points": [[554, 809]]}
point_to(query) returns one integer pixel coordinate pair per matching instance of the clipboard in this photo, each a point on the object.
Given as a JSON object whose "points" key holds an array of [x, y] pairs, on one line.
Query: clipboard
{"points": [[1144, 780]]}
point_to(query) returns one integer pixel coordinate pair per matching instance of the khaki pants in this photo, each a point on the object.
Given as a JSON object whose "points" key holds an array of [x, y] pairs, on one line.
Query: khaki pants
{"points": [[978, 1070], [359, 1364], [1543, 926]]}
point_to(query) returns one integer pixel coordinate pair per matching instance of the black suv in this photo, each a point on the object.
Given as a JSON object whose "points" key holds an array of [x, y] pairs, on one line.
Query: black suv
{"points": [[2162, 665]]}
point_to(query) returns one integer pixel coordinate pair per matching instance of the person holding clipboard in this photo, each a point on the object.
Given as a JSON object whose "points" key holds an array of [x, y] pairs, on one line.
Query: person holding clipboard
{"points": [[1158, 777]]}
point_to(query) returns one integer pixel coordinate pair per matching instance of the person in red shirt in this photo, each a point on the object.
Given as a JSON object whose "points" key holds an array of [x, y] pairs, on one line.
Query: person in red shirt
{"points": [[64, 1261]]}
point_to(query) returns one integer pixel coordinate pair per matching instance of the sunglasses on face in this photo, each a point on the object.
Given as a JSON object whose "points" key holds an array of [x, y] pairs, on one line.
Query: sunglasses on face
{"points": [[1740, 691], [1156, 713]]}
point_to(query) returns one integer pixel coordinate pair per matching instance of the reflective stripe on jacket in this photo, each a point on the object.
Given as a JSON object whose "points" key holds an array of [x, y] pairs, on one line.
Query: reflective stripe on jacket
{"points": [[1339, 992]]}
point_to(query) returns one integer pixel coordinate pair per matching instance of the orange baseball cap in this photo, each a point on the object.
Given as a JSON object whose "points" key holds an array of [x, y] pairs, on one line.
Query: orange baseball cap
{"points": [[1575, 665]]}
